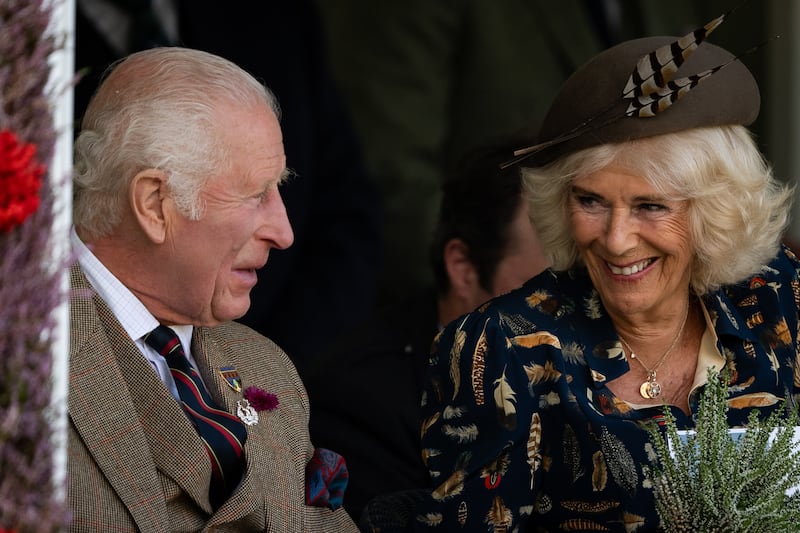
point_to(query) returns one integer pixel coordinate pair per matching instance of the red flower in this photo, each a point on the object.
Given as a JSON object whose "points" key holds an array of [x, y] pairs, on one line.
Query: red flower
{"points": [[20, 180], [260, 399]]}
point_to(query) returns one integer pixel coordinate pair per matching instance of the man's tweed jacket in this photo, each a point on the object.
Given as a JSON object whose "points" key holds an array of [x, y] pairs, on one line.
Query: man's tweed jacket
{"points": [[137, 464]]}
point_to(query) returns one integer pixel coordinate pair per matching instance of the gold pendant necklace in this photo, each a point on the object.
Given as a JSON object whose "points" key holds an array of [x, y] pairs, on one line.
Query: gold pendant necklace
{"points": [[651, 388]]}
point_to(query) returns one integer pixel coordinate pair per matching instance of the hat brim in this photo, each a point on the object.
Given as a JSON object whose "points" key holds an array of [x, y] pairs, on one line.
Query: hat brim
{"points": [[590, 104]]}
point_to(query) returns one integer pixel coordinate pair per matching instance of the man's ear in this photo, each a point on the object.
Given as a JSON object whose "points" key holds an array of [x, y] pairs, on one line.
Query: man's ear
{"points": [[460, 270], [148, 190]]}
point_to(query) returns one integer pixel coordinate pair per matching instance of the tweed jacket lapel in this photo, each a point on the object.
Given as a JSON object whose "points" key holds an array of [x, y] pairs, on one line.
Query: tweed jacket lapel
{"points": [[177, 449], [270, 473], [126, 457], [210, 358], [114, 437], [172, 446]]}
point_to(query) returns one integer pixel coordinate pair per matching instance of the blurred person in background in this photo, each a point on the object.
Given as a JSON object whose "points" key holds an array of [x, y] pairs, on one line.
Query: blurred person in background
{"points": [[366, 388]]}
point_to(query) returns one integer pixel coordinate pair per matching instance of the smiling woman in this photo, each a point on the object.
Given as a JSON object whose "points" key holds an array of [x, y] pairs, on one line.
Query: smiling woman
{"points": [[662, 223], [716, 171]]}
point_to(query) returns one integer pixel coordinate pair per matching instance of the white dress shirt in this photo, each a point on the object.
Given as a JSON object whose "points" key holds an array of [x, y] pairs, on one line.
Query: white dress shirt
{"points": [[130, 311]]}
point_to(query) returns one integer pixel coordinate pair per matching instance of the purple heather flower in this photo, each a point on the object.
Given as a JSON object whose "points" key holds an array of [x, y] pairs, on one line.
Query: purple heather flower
{"points": [[260, 400], [30, 284]]}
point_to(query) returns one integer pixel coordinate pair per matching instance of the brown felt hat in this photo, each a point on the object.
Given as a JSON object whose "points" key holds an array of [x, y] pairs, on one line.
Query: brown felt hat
{"points": [[593, 95]]}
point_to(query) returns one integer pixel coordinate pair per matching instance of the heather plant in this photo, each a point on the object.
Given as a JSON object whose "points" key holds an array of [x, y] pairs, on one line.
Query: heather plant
{"points": [[29, 279], [712, 480]]}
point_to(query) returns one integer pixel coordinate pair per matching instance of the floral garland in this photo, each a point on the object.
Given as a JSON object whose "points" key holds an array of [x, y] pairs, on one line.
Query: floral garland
{"points": [[29, 282], [20, 180]]}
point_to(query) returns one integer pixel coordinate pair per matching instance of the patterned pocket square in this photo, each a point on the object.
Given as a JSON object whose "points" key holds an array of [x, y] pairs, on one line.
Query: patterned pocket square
{"points": [[326, 479]]}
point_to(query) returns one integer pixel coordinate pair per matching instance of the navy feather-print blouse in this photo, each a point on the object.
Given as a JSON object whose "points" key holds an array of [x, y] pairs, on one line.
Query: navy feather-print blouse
{"points": [[520, 431]]}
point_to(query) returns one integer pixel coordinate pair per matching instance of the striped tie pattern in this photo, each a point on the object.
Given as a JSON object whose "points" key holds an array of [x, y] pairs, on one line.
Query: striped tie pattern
{"points": [[222, 433]]}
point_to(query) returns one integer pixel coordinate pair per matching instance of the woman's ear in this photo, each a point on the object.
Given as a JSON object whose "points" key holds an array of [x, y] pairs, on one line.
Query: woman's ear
{"points": [[147, 194], [461, 272]]}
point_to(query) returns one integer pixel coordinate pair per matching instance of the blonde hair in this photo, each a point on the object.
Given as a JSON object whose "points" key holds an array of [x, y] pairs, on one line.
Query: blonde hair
{"points": [[738, 212]]}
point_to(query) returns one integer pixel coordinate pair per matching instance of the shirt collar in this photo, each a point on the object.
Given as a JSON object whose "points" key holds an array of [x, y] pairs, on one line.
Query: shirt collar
{"points": [[127, 308]]}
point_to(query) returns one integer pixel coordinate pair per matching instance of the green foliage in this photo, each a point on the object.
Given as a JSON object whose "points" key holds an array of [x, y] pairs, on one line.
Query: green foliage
{"points": [[712, 482]]}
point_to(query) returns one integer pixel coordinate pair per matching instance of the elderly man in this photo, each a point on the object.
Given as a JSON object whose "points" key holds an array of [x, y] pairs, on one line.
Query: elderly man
{"points": [[179, 418]]}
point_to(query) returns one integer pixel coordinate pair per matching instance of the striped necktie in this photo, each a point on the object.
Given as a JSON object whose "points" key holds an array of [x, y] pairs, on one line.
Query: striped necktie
{"points": [[222, 433]]}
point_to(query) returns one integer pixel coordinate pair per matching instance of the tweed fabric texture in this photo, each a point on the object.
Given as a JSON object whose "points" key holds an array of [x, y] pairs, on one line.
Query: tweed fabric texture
{"points": [[223, 434], [136, 463]]}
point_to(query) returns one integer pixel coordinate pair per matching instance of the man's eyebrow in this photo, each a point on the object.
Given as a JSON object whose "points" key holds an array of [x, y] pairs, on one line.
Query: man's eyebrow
{"points": [[286, 175]]}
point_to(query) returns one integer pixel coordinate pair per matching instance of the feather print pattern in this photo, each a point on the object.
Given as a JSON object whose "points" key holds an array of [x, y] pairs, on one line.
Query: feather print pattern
{"points": [[462, 514], [537, 297], [611, 349], [451, 412], [427, 453], [727, 312], [756, 319], [536, 339], [621, 406], [619, 461], [632, 522], [739, 387], [581, 506], [499, 516], [548, 400], [574, 353], [592, 306], [518, 324], [582, 524], [782, 333], [599, 471], [428, 422], [498, 466], [774, 286], [754, 399], [597, 376], [478, 367], [504, 401], [750, 349], [748, 301], [462, 434], [795, 284], [572, 453], [452, 486], [534, 438], [544, 504], [459, 339], [774, 365], [430, 519], [538, 373], [796, 367], [572, 468]]}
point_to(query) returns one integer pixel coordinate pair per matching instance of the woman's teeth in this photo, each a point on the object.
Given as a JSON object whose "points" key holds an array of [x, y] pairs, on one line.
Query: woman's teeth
{"points": [[628, 270]]}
